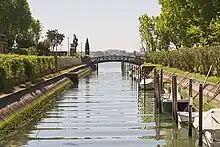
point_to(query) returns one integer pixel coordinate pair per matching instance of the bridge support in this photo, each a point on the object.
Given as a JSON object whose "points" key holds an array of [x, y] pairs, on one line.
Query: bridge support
{"points": [[97, 68], [122, 66]]}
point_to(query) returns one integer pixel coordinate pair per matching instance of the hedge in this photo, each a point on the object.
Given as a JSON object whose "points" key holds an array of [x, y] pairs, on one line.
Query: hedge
{"points": [[17, 69], [196, 60]]}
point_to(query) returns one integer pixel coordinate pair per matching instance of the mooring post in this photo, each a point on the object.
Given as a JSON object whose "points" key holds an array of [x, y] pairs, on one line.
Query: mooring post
{"points": [[190, 103], [140, 72], [200, 113], [155, 82], [158, 93], [144, 82], [97, 68], [161, 81], [122, 66], [174, 97]]}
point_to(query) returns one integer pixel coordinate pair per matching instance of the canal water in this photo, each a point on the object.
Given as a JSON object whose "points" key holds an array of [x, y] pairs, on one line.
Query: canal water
{"points": [[106, 110]]}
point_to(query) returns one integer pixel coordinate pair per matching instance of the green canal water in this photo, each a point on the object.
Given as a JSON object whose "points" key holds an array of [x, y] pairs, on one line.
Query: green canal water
{"points": [[106, 110]]}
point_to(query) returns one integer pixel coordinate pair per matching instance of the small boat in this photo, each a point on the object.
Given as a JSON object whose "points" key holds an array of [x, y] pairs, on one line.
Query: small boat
{"points": [[149, 84], [211, 127], [183, 117], [167, 102]]}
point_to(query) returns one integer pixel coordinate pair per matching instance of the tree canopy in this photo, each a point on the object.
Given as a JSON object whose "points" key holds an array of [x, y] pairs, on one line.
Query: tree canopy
{"points": [[23, 31], [17, 23], [182, 23], [55, 38]]}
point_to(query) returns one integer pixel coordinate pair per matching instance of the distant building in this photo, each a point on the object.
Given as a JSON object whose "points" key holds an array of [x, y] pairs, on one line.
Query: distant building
{"points": [[3, 43]]}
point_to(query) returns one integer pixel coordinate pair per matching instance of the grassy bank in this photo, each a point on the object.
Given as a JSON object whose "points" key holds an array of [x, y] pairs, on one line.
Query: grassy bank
{"points": [[211, 79]]}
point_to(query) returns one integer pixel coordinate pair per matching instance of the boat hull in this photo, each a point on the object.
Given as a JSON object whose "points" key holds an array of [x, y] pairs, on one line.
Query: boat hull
{"points": [[149, 86]]}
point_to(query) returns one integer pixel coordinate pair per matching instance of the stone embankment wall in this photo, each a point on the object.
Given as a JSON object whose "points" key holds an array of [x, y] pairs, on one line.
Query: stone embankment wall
{"points": [[15, 102], [209, 92], [63, 63]]}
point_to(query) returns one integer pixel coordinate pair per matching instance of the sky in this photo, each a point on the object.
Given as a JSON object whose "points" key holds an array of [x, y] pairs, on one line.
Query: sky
{"points": [[109, 24]]}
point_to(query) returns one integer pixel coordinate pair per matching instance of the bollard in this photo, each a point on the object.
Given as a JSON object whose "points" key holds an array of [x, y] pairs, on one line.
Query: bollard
{"points": [[200, 113], [174, 97], [190, 108]]}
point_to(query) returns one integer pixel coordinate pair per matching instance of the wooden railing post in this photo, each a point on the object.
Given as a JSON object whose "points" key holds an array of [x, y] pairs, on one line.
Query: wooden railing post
{"points": [[174, 97], [200, 113], [190, 103]]}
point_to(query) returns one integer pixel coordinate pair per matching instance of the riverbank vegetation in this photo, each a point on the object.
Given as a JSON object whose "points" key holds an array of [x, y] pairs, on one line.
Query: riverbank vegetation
{"points": [[18, 69], [23, 32], [182, 23], [185, 37], [196, 60]]}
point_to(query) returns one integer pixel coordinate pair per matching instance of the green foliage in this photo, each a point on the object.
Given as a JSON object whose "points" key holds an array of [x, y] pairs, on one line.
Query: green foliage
{"points": [[148, 32], [55, 38], [192, 60], [182, 23], [17, 23], [43, 48], [19, 68]]}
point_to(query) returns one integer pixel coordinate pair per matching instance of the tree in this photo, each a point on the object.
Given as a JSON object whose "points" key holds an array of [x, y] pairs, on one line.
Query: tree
{"points": [[16, 22], [87, 47], [183, 23], [43, 48], [55, 38], [31, 37], [148, 32], [215, 31]]}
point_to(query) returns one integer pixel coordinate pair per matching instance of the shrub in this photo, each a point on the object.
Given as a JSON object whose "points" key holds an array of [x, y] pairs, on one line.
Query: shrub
{"points": [[193, 60], [17, 69]]}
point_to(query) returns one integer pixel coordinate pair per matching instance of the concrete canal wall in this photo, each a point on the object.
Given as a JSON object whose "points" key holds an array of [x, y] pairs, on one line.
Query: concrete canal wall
{"points": [[210, 92], [17, 108], [62, 63]]}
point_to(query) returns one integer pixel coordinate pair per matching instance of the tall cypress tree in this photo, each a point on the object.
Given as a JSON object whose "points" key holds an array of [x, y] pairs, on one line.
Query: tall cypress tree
{"points": [[87, 48]]}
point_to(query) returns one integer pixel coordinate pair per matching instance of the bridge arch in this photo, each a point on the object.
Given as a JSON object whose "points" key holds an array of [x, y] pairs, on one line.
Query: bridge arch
{"points": [[116, 58]]}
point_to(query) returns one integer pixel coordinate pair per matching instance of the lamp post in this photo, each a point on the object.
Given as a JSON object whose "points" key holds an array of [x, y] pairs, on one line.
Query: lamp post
{"points": [[55, 44], [68, 52], [81, 50]]}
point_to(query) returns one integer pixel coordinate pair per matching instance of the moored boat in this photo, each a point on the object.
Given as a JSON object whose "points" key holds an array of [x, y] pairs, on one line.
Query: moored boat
{"points": [[149, 84]]}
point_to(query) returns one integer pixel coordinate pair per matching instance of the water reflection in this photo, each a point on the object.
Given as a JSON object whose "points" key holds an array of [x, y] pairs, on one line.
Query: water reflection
{"points": [[106, 110]]}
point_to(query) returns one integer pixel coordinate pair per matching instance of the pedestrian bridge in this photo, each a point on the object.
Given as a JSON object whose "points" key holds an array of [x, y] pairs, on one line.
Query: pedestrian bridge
{"points": [[117, 58]]}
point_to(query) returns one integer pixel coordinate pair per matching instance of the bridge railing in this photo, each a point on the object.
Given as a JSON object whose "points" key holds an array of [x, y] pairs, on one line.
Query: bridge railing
{"points": [[131, 59]]}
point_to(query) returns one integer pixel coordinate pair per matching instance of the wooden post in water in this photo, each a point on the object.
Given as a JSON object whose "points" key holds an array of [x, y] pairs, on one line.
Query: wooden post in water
{"points": [[200, 113], [174, 97], [140, 72], [158, 92], [144, 82], [190, 108], [97, 68], [155, 82], [122, 66], [161, 81]]}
